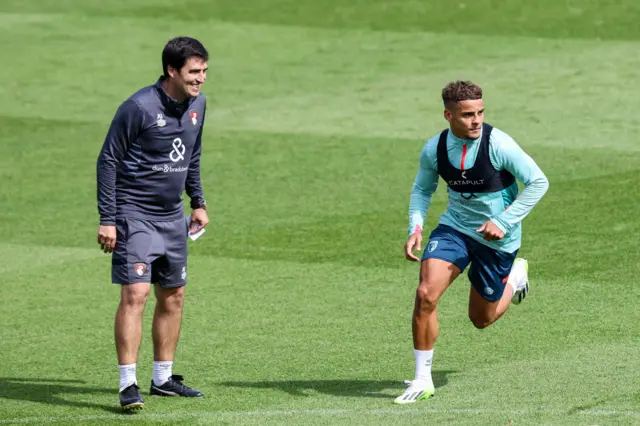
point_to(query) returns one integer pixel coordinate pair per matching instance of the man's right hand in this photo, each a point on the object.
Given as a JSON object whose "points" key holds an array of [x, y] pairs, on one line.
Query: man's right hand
{"points": [[413, 243], [107, 238]]}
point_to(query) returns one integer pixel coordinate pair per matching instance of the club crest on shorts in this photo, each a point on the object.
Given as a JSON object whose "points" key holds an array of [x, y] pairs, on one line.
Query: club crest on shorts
{"points": [[194, 117], [184, 272], [140, 268], [488, 291], [432, 245]]}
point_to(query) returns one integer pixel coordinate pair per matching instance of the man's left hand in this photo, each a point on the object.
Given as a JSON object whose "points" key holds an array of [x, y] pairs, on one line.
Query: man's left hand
{"points": [[490, 231], [199, 220]]}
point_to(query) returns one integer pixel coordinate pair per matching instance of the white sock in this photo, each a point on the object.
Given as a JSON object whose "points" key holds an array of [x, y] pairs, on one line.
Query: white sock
{"points": [[161, 372], [423, 365], [517, 276], [127, 376]]}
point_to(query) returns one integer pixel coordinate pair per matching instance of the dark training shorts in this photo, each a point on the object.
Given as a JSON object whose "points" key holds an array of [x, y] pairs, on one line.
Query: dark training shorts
{"points": [[150, 252], [489, 268]]}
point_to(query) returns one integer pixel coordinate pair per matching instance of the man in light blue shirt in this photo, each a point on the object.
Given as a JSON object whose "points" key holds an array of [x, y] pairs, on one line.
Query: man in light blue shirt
{"points": [[481, 226]]}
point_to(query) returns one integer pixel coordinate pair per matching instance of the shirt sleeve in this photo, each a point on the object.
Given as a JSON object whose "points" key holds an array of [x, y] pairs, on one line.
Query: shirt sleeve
{"points": [[423, 188], [507, 155], [124, 130], [193, 185]]}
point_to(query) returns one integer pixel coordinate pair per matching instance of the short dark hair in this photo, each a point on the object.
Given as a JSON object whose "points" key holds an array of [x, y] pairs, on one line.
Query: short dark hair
{"points": [[178, 50], [459, 90]]}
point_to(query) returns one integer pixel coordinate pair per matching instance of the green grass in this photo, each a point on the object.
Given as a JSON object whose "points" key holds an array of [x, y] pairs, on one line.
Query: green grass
{"points": [[299, 301]]}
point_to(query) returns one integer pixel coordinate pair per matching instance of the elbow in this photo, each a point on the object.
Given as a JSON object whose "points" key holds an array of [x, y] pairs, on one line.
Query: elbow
{"points": [[421, 191], [105, 162], [544, 185], [541, 185]]}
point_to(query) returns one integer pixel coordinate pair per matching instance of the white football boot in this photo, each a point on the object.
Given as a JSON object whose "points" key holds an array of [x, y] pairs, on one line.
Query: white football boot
{"points": [[417, 390]]}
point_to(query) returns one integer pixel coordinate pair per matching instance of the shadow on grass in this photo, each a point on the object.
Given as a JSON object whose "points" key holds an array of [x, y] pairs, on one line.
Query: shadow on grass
{"points": [[342, 388], [52, 391]]}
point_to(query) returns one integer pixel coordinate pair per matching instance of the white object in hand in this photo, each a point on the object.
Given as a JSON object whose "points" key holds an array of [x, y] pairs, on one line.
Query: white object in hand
{"points": [[197, 234]]}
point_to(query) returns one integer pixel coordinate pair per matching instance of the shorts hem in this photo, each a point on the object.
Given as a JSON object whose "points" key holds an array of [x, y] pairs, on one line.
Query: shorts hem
{"points": [[446, 260], [491, 298], [171, 285]]}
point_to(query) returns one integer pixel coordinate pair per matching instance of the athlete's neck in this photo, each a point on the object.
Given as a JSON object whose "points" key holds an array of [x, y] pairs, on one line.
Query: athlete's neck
{"points": [[462, 139], [172, 92]]}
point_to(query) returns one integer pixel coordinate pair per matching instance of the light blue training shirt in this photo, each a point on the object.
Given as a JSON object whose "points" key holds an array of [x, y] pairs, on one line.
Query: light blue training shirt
{"points": [[505, 208]]}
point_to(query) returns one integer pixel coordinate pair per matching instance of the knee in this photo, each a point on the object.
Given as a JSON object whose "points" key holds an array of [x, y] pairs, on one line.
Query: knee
{"points": [[480, 320], [171, 300], [426, 300], [134, 297]]}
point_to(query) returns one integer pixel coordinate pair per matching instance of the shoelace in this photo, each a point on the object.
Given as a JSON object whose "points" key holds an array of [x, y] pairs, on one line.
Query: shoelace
{"points": [[131, 390], [178, 379], [410, 386]]}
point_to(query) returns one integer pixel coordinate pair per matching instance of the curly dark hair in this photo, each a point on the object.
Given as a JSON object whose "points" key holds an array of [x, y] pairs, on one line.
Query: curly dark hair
{"points": [[459, 90]]}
